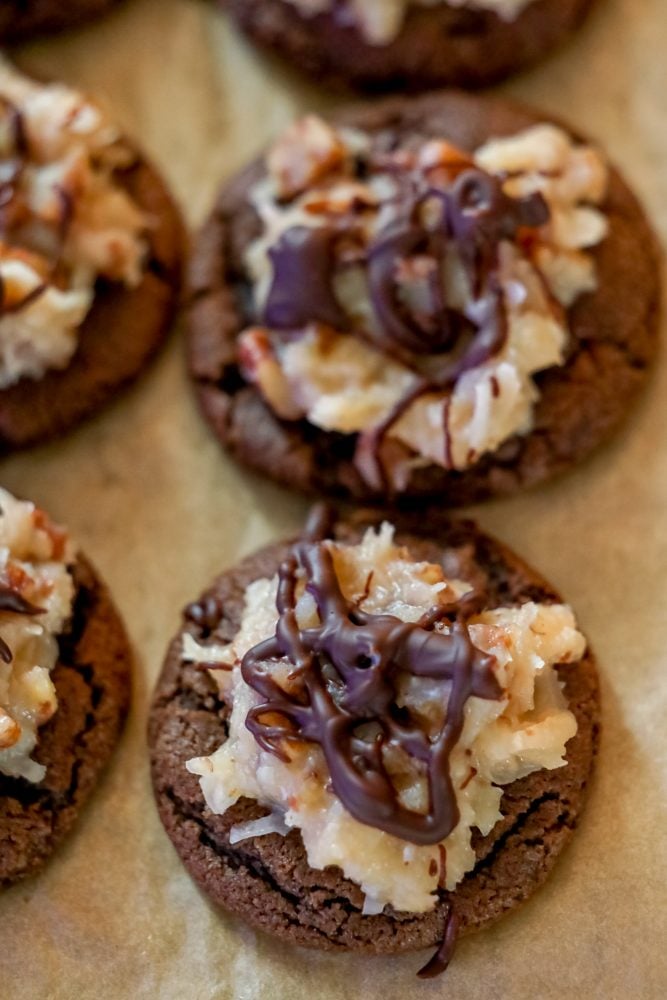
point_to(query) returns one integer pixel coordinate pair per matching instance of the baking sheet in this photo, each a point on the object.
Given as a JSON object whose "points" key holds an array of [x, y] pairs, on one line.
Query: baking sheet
{"points": [[160, 510]]}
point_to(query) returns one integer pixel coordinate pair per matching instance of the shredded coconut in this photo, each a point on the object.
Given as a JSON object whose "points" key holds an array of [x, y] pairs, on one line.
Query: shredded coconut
{"points": [[34, 558], [273, 823], [67, 221], [526, 730], [340, 381]]}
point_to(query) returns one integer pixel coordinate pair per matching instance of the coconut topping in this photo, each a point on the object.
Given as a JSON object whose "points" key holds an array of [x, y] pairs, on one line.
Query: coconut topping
{"points": [[380, 21], [65, 221], [408, 294], [378, 709], [36, 595]]}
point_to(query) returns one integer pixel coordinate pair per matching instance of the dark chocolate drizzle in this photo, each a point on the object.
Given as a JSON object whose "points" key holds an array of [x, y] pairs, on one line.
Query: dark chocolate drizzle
{"points": [[368, 456], [16, 218], [301, 292], [400, 241], [12, 163], [343, 695], [476, 215], [440, 343], [482, 214], [320, 523], [11, 600], [443, 956]]}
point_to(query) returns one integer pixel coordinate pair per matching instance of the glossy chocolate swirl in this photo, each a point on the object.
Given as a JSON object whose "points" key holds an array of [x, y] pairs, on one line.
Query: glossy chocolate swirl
{"points": [[343, 694], [475, 216], [303, 260], [443, 956]]}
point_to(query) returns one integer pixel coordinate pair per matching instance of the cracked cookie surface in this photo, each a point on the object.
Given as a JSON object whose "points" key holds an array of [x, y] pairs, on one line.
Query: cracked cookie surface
{"points": [[267, 880], [92, 680], [118, 337]]}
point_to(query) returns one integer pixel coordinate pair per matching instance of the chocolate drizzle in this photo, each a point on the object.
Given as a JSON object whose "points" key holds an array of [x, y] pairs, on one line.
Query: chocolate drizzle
{"points": [[481, 215], [476, 215], [368, 452], [19, 227], [473, 215], [18, 139], [343, 695], [11, 600], [12, 163], [301, 291], [400, 241], [443, 956]]}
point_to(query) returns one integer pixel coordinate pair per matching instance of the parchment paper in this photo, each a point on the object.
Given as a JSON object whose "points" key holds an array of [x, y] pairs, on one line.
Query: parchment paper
{"points": [[150, 496]]}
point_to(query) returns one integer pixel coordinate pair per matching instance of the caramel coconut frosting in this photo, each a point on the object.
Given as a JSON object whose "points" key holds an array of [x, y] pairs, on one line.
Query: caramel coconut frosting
{"points": [[408, 294], [65, 221], [380, 712], [380, 20], [36, 595]]}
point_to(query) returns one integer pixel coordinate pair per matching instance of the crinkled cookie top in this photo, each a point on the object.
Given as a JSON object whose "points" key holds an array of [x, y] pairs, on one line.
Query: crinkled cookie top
{"points": [[378, 711], [65, 221], [408, 292], [36, 595]]}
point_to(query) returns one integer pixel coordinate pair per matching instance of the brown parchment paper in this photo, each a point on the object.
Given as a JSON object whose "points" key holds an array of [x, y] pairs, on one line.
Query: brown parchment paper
{"points": [[160, 510]]}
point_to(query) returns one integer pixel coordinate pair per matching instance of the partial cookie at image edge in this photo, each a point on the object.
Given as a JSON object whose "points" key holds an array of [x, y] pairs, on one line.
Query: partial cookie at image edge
{"points": [[93, 684]]}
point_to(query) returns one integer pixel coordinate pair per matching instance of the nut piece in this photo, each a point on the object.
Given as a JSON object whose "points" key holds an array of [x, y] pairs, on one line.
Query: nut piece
{"points": [[307, 151], [260, 366], [10, 731], [440, 153]]}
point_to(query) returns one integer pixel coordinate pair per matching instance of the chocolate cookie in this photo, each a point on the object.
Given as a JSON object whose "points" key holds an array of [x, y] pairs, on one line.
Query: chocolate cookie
{"points": [[92, 681], [267, 880], [91, 261], [612, 331], [436, 45], [21, 19], [118, 338]]}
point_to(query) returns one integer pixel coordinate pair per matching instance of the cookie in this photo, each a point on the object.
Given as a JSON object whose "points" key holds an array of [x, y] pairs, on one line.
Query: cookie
{"points": [[308, 381], [96, 300], [267, 880], [408, 46], [42, 790], [21, 19]]}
